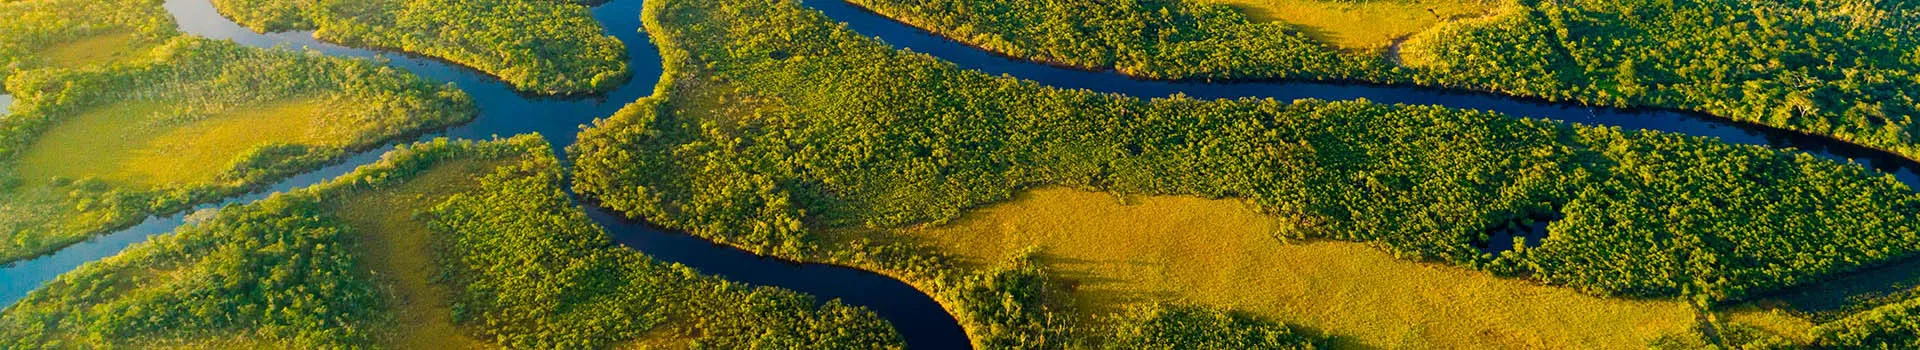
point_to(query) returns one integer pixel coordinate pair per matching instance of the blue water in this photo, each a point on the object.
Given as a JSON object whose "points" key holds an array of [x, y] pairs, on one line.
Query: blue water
{"points": [[919, 319]]}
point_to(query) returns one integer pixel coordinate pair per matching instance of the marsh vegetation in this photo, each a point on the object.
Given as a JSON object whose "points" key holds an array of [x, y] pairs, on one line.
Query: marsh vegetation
{"points": [[775, 126], [92, 149], [440, 243]]}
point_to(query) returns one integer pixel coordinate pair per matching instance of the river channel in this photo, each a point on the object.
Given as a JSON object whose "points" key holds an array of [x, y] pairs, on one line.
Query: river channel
{"points": [[920, 320]]}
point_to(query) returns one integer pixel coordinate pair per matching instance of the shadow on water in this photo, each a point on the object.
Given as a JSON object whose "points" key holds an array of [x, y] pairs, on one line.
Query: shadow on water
{"points": [[919, 319]]}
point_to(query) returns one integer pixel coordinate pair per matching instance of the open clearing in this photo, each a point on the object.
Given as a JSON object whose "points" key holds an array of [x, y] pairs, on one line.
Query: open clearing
{"points": [[137, 144], [94, 50], [1221, 252], [1366, 24], [399, 249]]}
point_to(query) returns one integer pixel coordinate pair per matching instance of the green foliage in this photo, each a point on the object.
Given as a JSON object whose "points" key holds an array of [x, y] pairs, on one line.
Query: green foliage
{"points": [[194, 78], [1168, 39], [528, 270], [542, 46], [1891, 326], [774, 123], [35, 27], [277, 271], [1843, 69], [1188, 327], [1011, 303]]}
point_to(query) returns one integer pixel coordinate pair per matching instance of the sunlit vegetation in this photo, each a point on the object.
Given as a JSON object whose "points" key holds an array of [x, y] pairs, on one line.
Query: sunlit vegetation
{"points": [[774, 125], [1843, 69], [1120, 253], [90, 150], [1366, 24], [49, 33], [122, 143], [474, 240], [541, 46], [1173, 39], [398, 249], [1892, 326]]}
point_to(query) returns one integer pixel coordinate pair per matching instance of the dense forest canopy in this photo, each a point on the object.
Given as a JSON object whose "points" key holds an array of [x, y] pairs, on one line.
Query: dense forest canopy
{"points": [[540, 46], [526, 267], [778, 130], [1843, 69], [35, 31], [775, 123], [125, 83]]}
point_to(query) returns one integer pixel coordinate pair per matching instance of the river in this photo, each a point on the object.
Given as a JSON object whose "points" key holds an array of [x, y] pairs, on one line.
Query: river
{"points": [[920, 320], [503, 112]]}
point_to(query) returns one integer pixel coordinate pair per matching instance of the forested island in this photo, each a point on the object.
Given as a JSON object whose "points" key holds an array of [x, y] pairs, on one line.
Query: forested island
{"points": [[1034, 216], [442, 243], [815, 145], [99, 137]]}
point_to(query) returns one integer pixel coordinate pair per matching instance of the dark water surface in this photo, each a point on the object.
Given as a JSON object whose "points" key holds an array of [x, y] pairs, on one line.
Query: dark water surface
{"points": [[923, 323], [903, 36]]}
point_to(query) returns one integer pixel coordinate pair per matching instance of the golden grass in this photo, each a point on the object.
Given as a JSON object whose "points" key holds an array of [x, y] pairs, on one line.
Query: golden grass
{"points": [[399, 249], [1362, 24], [663, 337], [1220, 252], [1771, 320], [94, 50], [127, 143]]}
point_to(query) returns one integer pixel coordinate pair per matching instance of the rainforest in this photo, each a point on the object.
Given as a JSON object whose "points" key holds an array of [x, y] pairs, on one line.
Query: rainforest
{"points": [[959, 174]]}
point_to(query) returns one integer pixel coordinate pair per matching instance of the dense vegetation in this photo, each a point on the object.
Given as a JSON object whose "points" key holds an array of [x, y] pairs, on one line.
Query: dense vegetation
{"points": [[1185, 327], [1892, 326], [1170, 39], [528, 270], [541, 46], [774, 124], [34, 30], [188, 82], [1844, 69]]}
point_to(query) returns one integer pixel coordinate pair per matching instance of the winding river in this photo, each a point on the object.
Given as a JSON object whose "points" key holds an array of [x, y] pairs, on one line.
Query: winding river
{"points": [[919, 319]]}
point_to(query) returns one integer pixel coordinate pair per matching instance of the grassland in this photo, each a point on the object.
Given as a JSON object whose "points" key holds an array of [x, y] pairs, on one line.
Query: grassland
{"points": [[825, 130], [1363, 25], [53, 34], [94, 50], [443, 244], [88, 150], [137, 143], [1116, 253]]}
